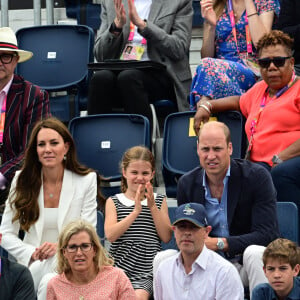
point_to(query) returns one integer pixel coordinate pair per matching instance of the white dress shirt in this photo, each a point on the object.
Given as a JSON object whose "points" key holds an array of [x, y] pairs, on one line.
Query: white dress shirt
{"points": [[212, 278]]}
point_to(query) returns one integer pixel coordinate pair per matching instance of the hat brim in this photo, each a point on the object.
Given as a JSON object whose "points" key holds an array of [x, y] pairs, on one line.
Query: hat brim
{"points": [[23, 54], [198, 224]]}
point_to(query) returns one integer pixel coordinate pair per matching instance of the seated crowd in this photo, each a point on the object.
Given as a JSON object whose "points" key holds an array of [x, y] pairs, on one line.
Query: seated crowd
{"points": [[225, 225]]}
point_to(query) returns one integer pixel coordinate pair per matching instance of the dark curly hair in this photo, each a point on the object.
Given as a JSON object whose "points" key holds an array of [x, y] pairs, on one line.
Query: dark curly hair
{"points": [[273, 38]]}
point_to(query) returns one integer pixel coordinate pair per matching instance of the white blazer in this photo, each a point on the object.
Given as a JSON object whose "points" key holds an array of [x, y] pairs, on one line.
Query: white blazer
{"points": [[78, 199]]}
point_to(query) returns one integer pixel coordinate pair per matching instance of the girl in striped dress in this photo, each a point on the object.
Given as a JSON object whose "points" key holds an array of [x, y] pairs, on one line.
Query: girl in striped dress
{"points": [[136, 221]]}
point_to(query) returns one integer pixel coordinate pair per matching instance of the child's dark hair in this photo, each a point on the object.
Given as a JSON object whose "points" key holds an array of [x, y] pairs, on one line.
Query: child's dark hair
{"points": [[283, 250], [135, 153]]}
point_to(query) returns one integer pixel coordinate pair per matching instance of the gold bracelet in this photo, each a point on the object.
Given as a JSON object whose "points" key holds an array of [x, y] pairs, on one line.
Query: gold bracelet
{"points": [[209, 104], [252, 15], [205, 107]]}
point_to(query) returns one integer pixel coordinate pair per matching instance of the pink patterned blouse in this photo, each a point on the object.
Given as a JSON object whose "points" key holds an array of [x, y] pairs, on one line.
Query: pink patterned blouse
{"points": [[110, 284]]}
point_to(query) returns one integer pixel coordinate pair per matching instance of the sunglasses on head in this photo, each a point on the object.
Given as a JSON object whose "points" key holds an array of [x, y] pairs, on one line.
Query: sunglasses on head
{"points": [[278, 61]]}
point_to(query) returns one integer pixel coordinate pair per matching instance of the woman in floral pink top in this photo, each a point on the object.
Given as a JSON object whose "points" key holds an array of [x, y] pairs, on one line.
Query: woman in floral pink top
{"points": [[223, 70], [85, 269]]}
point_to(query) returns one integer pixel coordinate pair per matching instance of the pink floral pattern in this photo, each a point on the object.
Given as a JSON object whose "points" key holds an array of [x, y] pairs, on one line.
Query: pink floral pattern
{"points": [[226, 74]]}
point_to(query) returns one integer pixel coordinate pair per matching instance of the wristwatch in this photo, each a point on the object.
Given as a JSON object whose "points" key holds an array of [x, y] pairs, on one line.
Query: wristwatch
{"points": [[276, 160], [220, 244]]}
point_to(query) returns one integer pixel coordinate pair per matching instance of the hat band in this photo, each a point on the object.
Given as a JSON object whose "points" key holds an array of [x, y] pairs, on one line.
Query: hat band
{"points": [[8, 45]]}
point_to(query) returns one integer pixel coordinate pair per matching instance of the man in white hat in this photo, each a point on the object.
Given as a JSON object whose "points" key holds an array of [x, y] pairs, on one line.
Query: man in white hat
{"points": [[22, 104]]}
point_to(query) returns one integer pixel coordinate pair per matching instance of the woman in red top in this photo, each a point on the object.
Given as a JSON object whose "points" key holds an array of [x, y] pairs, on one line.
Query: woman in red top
{"points": [[272, 111]]}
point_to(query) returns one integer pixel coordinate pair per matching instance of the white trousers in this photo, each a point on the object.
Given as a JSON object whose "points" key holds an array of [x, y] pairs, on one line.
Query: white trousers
{"points": [[251, 272], [42, 272]]}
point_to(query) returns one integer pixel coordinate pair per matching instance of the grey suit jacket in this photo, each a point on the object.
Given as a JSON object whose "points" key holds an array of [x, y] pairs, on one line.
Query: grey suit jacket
{"points": [[168, 35]]}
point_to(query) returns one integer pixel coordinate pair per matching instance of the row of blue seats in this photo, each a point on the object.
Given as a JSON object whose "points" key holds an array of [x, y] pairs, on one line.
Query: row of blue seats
{"points": [[100, 142], [61, 67]]}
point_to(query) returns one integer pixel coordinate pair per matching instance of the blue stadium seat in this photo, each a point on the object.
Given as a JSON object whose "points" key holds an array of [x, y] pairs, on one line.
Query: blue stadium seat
{"points": [[172, 244], [85, 12], [100, 226], [287, 213], [180, 144], [59, 64], [101, 141], [197, 17]]}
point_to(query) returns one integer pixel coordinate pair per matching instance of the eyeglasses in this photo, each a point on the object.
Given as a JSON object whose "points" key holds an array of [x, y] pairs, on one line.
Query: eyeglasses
{"points": [[278, 61], [7, 58], [85, 247]]}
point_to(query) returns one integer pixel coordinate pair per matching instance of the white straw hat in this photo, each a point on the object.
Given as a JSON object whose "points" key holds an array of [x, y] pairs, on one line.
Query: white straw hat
{"points": [[8, 41]]}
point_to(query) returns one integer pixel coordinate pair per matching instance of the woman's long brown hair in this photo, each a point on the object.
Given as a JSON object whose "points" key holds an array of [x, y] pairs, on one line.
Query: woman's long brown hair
{"points": [[25, 196]]}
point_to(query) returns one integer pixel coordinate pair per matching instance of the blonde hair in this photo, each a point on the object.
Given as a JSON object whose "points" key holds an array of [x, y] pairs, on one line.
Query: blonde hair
{"points": [[135, 153], [101, 257]]}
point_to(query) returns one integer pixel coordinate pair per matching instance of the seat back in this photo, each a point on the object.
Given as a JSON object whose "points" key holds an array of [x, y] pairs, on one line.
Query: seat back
{"points": [[172, 244], [61, 54], [180, 144], [287, 213], [85, 12], [101, 140], [197, 17], [100, 226]]}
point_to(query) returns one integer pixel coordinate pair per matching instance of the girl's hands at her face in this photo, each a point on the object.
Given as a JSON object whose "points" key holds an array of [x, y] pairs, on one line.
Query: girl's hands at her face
{"points": [[137, 199], [207, 12], [149, 195]]}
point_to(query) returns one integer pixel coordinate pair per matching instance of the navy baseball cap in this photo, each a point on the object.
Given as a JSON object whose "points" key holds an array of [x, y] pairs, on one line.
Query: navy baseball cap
{"points": [[192, 212]]}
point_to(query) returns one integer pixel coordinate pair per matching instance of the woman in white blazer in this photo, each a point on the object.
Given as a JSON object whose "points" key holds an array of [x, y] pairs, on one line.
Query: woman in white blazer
{"points": [[51, 190]]}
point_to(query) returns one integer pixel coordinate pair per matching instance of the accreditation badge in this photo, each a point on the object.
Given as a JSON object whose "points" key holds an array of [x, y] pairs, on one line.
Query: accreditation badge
{"points": [[133, 52]]}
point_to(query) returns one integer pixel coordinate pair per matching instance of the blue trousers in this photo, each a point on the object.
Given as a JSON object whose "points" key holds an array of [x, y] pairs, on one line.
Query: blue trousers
{"points": [[286, 178]]}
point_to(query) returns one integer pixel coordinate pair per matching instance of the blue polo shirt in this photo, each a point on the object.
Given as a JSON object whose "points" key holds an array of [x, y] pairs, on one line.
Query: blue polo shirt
{"points": [[264, 291]]}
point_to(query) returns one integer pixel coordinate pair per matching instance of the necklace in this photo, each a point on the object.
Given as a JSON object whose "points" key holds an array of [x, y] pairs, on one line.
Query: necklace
{"points": [[55, 190]]}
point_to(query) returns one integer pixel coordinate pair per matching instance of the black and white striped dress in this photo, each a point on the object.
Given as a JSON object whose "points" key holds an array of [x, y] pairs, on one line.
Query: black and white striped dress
{"points": [[134, 251]]}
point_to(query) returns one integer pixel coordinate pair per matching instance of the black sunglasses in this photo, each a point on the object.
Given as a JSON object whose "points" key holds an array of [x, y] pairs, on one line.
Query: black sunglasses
{"points": [[278, 61]]}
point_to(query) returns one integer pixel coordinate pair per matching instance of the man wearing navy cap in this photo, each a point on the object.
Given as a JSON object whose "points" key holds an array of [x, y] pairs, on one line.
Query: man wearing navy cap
{"points": [[195, 272]]}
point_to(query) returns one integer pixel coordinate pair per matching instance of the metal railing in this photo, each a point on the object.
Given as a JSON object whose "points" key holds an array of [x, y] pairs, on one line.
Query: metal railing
{"points": [[36, 12]]}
